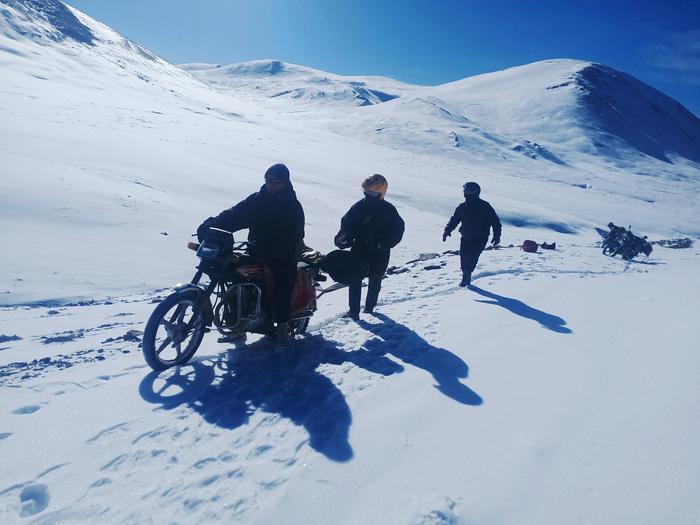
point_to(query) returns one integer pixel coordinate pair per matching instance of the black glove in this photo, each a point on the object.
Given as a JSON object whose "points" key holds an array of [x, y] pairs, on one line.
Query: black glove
{"points": [[445, 235], [342, 240], [496, 240]]}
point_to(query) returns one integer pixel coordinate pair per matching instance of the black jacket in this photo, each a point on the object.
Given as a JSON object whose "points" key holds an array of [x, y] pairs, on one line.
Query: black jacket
{"points": [[371, 226], [275, 222], [477, 217]]}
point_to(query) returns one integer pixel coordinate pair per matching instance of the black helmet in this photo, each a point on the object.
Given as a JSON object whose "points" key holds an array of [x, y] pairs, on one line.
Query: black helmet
{"points": [[471, 189], [277, 173]]}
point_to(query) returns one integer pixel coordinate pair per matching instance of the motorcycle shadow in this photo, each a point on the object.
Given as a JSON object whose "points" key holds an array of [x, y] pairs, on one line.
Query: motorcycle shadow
{"points": [[647, 263], [226, 391]]}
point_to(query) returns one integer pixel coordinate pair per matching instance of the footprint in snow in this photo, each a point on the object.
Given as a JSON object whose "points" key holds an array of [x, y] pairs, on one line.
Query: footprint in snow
{"points": [[34, 499], [101, 483], [5, 435], [109, 432], [114, 463], [441, 513], [29, 409], [62, 337]]}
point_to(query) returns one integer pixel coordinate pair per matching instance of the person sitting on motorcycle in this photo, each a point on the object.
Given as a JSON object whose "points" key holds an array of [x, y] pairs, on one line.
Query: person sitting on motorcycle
{"points": [[275, 221], [371, 228]]}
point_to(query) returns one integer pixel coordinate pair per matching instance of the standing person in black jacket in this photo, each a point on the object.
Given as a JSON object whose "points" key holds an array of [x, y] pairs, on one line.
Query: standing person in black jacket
{"points": [[275, 221], [371, 228], [477, 218]]}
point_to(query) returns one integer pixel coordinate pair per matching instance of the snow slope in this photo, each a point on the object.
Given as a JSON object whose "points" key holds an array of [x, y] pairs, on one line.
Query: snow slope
{"points": [[566, 121], [105, 147], [561, 389]]}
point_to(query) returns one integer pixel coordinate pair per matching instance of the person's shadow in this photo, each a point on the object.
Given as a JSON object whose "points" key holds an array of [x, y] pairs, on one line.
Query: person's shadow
{"points": [[228, 390], [549, 321], [446, 368]]}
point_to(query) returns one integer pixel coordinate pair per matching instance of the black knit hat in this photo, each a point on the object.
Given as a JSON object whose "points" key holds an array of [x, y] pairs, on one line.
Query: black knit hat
{"points": [[277, 173]]}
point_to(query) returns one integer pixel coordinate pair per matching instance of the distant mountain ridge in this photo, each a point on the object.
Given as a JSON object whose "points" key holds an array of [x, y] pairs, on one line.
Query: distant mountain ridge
{"points": [[553, 110], [608, 112], [276, 79]]}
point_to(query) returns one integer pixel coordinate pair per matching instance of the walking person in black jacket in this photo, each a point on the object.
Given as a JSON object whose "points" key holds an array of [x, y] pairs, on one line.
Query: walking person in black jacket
{"points": [[275, 221], [371, 228], [477, 218]]}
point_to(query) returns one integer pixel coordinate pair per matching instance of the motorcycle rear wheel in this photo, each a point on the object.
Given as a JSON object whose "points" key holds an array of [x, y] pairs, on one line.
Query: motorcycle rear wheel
{"points": [[174, 331]]}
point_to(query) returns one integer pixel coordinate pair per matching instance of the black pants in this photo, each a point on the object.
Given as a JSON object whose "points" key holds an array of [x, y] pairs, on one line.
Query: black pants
{"points": [[378, 263], [284, 273], [469, 252]]}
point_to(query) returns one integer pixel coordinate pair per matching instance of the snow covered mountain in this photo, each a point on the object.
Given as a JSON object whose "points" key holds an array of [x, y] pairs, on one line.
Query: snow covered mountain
{"points": [[573, 122], [562, 388], [144, 149], [111, 147], [578, 108], [567, 104], [274, 79]]}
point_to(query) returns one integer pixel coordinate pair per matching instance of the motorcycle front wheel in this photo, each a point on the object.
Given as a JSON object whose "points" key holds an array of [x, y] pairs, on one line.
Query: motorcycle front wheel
{"points": [[174, 331], [609, 249]]}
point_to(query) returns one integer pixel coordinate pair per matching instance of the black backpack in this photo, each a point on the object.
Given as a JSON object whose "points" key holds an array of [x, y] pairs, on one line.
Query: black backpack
{"points": [[344, 266]]}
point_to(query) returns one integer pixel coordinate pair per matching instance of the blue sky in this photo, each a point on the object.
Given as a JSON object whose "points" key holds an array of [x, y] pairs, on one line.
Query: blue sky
{"points": [[422, 42]]}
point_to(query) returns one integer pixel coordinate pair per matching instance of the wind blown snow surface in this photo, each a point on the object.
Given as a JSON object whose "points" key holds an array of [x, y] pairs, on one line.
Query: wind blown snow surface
{"points": [[561, 388]]}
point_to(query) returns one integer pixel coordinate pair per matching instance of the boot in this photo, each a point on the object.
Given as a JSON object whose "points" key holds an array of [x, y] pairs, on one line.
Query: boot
{"points": [[351, 315], [283, 336], [236, 337], [466, 279]]}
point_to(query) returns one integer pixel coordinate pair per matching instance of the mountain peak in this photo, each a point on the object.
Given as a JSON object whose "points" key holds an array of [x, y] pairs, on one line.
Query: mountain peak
{"points": [[274, 79], [623, 107], [51, 19], [270, 67]]}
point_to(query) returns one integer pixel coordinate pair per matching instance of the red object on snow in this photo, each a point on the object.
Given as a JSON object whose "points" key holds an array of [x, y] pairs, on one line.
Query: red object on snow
{"points": [[529, 246]]}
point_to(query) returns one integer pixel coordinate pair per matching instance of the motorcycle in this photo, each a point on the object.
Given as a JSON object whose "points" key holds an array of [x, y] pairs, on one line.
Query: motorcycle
{"points": [[623, 242], [613, 240], [235, 300]]}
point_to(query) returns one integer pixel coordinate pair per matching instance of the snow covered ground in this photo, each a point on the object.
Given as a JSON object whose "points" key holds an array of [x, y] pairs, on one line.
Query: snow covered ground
{"points": [[562, 388]]}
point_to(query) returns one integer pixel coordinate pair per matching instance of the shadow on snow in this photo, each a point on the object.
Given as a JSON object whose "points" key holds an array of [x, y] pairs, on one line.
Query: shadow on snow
{"points": [[549, 321], [228, 390], [402, 342]]}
